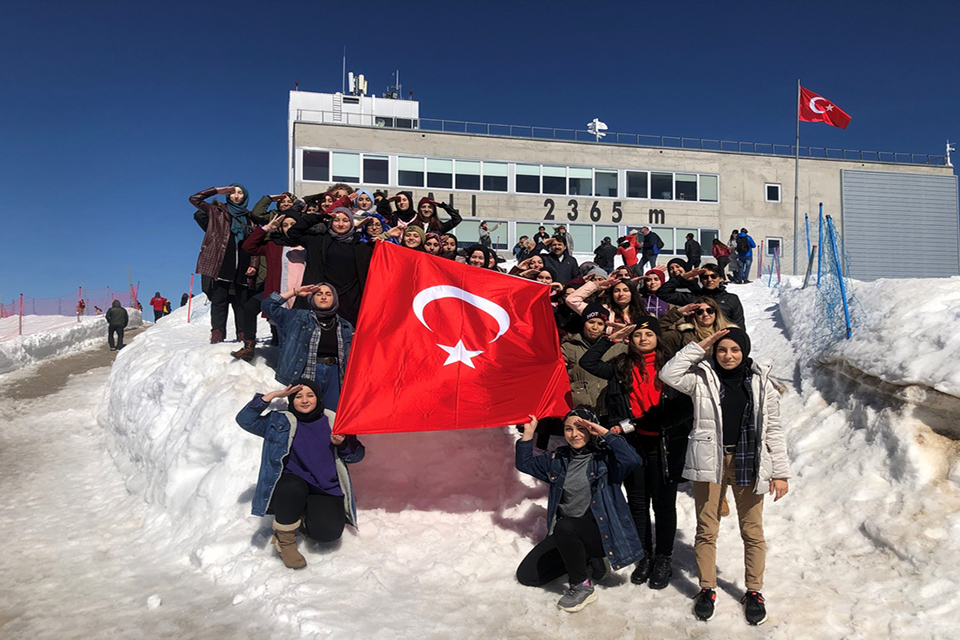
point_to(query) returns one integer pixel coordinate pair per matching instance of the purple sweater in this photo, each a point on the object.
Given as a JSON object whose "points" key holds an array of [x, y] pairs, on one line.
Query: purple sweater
{"points": [[313, 457]]}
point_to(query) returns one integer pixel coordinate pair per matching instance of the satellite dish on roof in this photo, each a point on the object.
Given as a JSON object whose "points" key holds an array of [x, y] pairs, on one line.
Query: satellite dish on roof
{"points": [[597, 128]]}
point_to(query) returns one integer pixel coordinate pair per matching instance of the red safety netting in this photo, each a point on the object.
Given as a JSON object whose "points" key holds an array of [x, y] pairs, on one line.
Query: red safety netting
{"points": [[84, 302]]}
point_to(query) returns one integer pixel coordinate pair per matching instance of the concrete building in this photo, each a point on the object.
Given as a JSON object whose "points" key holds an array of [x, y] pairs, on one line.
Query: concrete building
{"points": [[524, 177]]}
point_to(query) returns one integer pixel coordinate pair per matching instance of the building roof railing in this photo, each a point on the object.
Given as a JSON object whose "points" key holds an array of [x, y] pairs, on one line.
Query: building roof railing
{"points": [[627, 139]]}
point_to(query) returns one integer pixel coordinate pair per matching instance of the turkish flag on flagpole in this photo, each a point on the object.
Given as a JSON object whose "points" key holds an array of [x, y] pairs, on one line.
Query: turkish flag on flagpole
{"points": [[816, 108], [441, 345]]}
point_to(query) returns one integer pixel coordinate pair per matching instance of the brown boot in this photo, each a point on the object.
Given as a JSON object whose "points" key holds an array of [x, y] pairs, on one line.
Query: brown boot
{"points": [[246, 352], [285, 540], [216, 336], [724, 505]]}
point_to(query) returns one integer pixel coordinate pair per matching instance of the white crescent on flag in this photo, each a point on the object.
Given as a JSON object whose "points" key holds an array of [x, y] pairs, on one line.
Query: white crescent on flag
{"points": [[813, 104], [459, 353]]}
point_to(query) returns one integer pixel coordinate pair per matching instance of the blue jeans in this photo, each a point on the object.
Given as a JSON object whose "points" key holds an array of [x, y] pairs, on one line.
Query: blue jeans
{"points": [[328, 379], [745, 263]]}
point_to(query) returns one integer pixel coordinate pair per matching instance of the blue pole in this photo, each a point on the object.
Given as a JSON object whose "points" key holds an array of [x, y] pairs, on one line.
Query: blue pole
{"points": [[843, 287], [820, 254], [770, 277], [806, 221]]}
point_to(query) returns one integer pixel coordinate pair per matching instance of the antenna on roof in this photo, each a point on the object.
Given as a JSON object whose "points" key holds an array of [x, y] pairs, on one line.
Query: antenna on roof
{"points": [[597, 128], [343, 88], [949, 149]]}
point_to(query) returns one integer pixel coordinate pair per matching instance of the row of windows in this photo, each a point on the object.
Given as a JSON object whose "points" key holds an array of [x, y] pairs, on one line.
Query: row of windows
{"points": [[504, 177]]}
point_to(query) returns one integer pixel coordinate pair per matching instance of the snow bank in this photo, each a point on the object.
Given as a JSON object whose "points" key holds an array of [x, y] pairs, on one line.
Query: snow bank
{"points": [[51, 336], [866, 544], [907, 333]]}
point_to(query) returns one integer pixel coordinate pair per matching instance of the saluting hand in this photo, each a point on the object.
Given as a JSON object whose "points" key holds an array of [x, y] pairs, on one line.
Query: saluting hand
{"points": [[707, 343]]}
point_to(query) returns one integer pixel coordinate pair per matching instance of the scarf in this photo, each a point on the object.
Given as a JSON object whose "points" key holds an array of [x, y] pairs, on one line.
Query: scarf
{"points": [[645, 393], [317, 411], [238, 215], [736, 405], [322, 319]]}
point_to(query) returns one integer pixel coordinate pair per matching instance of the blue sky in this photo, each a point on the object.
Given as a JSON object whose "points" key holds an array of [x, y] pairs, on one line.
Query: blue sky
{"points": [[113, 113]]}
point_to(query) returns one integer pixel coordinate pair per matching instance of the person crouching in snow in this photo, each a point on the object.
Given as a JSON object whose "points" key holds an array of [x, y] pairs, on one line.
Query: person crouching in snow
{"points": [[303, 479], [737, 440], [587, 516]]}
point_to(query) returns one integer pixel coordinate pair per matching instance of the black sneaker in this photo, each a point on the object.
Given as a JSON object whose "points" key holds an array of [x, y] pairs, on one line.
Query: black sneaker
{"points": [[704, 605], [754, 609], [642, 572], [661, 573]]}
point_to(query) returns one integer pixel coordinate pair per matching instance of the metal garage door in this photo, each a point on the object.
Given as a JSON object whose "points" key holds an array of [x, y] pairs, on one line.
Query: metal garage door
{"points": [[900, 225]]}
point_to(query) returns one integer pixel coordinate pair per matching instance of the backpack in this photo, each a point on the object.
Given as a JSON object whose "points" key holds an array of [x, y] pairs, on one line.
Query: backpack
{"points": [[743, 244]]}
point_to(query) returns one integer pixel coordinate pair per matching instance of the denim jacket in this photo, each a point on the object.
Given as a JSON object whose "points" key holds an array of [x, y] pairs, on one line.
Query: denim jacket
{"points": [[277, 429], [297, 326], [613, 460]]}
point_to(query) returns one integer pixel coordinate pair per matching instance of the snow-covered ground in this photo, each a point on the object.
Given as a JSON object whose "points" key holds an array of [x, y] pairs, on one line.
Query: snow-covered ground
{"points": [[47, 337], [867, 543]]}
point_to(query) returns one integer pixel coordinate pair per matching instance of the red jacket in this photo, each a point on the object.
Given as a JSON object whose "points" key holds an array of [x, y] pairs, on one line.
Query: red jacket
{"points": [[158, 303]]}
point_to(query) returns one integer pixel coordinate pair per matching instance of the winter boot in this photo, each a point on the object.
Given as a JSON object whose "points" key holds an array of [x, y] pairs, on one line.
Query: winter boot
{"points": [[662, 571], [642, 572], [246, 352], [285, 540], [703, 607], [577, 597], [754, 608], [216, 336], [240, 337], [724, 505]]}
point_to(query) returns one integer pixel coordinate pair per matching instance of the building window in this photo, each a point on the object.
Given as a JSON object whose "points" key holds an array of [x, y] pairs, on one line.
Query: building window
{"points": [[376, 169], [316, 166], [346, 167], [773, 244], [410, 172], [686, 186], [494, 176], [637, 184], [661, 186], [555, 180], [439, 173], [772, 192], [605, 184], [528, 178], [468, 175], [581, 181], [709, 190]]}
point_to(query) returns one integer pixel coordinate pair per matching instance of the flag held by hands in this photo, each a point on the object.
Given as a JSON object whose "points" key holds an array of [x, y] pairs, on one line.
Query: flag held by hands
{"points": [[816, 108], [441, 345]]}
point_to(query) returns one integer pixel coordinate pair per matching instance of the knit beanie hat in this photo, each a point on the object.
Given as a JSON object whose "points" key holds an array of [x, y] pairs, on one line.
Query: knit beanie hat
{"points": [[595, 310], [654, 272], [679, 261], [429, 201], [649, 322], [418, 229]]}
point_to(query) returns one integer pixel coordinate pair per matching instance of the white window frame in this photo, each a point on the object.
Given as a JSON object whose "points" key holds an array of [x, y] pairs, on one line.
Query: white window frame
{"points": [[766, 192]]}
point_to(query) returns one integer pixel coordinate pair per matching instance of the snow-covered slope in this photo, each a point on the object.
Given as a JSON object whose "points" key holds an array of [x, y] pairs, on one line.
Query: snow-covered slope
{"points": [[866, 544], [51, 336]]}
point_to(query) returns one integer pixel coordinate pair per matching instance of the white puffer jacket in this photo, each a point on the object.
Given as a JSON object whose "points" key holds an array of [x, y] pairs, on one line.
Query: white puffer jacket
{"points": [[691, 373]]}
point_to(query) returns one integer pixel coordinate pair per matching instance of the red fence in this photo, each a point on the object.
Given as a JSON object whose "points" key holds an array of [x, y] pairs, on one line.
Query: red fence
{"points": [[85, 302]]}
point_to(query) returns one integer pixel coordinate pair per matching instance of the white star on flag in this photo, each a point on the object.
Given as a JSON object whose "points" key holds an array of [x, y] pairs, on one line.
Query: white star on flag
{"points": [[459, 353]]}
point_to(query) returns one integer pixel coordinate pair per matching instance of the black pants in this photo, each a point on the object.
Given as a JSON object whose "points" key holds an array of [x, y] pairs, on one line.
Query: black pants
{"points": [[251, 309], [223, 295], [647, 486], [118, 331], [565, 551], [693, 263], [157, 314], [293, 499], [647, 261]]}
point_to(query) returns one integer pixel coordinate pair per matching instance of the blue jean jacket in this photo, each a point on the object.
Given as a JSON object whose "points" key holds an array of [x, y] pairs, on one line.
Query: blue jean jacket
{"points": [[613, 459], [277, 429], [297, 326]]}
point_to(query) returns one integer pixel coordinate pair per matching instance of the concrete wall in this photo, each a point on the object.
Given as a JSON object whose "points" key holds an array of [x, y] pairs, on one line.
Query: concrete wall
{"points": [[741, 194]]}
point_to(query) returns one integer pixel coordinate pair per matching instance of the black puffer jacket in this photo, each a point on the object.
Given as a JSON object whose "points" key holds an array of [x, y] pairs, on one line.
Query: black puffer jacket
{"points": [[728, 302]]}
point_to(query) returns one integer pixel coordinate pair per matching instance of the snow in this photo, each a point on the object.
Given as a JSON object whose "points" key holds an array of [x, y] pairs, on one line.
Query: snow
{"points": [[47, 337], [866, 544]]}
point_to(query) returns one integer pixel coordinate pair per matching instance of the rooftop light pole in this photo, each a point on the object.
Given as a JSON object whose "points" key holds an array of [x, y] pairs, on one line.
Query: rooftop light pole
{"points": [[597, 128]]}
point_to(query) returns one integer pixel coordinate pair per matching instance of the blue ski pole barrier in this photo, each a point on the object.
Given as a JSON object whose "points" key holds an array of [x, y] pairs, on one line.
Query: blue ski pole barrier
{"points": [[843, 286], [820, 244], [806, 221]]}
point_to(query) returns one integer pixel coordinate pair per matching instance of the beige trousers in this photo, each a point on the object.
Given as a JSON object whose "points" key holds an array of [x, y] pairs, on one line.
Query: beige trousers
{"points": [[707, 497]]}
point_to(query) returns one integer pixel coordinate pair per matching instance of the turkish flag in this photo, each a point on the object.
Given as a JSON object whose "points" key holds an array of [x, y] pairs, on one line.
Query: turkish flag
{"points": [[816, 108], [441, 345]]}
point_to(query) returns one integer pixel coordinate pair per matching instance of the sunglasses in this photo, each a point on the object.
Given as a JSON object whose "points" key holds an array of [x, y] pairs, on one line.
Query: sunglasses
{"points": [[705, 312], [709, 276]]}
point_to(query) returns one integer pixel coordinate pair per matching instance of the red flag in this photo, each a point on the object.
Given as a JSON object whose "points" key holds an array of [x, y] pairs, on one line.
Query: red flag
{"points": [[815, 108], [441, 345]]}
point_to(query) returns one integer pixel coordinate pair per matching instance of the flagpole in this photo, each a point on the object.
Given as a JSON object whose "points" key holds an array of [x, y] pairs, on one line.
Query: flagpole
{"points": [[796, 183]]}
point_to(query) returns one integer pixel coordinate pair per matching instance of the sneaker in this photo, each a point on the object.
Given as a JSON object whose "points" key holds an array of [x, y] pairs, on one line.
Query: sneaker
{"points": [[577, 597], [704, 605], [754, 610], [597, 569], [661, 573], [642, 572]]}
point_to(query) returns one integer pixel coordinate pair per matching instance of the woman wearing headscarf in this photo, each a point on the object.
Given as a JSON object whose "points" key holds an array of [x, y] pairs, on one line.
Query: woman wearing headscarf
{"points": [[737, 440], [373, 225], [303, 479], [480, 256], [432, 244], [226, 268], [402, 208], [337, 256], [314, 343], [448, 246]]}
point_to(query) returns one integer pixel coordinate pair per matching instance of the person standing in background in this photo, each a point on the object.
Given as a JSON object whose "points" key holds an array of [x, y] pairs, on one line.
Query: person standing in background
{"points": [[117, 321], [693, 251], [158, 303]]}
